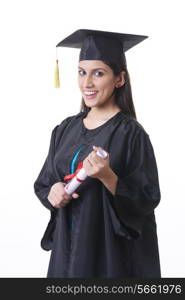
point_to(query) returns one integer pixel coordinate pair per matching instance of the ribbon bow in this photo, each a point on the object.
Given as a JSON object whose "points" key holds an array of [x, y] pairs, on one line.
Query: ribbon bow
{"points": [[70, 176]]}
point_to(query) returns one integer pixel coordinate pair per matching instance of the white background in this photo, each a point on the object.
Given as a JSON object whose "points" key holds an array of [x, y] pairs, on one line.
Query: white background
{"points": [[31, 107]]}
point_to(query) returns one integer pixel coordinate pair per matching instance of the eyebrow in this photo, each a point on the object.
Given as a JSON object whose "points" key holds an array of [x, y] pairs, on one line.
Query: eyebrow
{"points": [[94, 69]]}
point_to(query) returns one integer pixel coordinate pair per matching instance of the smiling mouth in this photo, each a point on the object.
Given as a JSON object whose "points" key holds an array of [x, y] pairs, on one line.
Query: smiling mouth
{"points": [[90, 94]]}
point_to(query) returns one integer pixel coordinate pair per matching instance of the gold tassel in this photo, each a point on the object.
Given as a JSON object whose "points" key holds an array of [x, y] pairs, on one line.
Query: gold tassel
{"points": [[57, 78]]}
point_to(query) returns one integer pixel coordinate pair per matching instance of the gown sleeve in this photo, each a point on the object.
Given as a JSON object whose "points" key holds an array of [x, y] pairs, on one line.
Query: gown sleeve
{"points": [[46, 177], [138, 193]]}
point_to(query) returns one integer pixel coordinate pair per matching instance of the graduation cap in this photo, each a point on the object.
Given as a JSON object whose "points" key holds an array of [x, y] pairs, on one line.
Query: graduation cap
{"points": [[100, 45]]}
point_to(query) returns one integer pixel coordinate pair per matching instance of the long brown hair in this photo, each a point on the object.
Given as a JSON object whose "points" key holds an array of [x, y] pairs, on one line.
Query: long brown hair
{"points": [[123, 95]]}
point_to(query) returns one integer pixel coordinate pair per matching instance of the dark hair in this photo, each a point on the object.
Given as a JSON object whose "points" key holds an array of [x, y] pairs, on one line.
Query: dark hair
{"points": [[123, 95]]}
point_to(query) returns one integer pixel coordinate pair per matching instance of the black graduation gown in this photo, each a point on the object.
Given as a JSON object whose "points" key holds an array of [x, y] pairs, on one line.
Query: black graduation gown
{"points": [[98, 234]]}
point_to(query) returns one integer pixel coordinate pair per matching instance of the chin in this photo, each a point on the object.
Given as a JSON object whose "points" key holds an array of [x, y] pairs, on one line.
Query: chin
{"points": [[90, 104]]}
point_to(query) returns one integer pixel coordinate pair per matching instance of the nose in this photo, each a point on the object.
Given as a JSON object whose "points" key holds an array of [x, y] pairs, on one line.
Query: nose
{"points": [[88, 81]]}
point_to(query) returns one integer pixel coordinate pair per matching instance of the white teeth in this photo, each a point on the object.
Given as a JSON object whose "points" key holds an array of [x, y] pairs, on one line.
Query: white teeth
{"points": [[89, 93]]}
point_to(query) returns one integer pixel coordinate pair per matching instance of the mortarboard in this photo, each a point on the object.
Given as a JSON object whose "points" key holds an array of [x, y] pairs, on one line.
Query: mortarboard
{"points": [[100, 45]]}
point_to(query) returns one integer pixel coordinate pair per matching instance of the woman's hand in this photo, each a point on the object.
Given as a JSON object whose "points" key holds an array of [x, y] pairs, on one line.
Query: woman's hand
{"points": [[95, 166], [99, 168], [58, 197]]}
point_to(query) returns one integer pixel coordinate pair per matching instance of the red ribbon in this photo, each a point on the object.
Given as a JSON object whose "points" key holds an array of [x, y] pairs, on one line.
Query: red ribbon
{"points": [[70, 176]]}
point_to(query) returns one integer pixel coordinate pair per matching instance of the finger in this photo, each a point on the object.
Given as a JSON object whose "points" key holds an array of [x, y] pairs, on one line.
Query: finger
{"points": [[53, 199], [93, 155], [96, 157], [75, 195], [58, 193], [67, 197], [56, 203], [64, 202], [93, 163], [90, 163], [95, 148], [94, 160]]}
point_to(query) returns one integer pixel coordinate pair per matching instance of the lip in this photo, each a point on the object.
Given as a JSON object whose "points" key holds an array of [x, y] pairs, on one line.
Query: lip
{"points": [[90, 96]]}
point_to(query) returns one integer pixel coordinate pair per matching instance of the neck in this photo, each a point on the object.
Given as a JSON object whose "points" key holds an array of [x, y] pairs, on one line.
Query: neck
{"points": [[104, 112]]}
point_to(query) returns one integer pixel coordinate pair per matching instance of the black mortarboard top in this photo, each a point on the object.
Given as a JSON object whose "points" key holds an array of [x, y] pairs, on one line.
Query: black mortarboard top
{"points": [[101, 45]]}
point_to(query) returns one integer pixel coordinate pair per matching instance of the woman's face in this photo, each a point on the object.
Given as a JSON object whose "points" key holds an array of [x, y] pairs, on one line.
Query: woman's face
{"points": [[97, 82]]}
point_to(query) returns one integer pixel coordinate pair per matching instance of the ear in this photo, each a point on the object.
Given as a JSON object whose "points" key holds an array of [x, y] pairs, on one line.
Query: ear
{"points": [[120, 80]]}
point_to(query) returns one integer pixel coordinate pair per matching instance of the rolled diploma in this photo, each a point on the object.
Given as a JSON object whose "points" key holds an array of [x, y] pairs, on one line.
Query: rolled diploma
{"points": [[72, 185]]}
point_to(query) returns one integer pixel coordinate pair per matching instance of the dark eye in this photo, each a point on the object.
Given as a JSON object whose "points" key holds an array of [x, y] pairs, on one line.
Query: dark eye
{"points": [[99, 73], [81, 72]]}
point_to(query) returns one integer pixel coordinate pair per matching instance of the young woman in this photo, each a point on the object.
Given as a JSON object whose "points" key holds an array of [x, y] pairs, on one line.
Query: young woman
{"points": [[107, 227]]}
